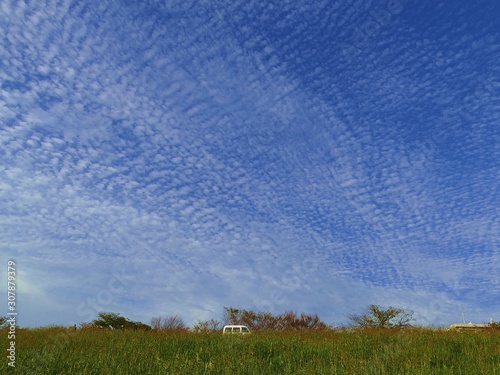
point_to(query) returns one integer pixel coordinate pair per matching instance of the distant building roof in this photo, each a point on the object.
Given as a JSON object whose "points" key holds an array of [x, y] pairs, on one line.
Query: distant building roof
{"points": [[469, 326]]}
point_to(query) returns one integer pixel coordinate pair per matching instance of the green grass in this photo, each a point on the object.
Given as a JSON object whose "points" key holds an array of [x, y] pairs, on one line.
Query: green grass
{"points": [[56, 350]]}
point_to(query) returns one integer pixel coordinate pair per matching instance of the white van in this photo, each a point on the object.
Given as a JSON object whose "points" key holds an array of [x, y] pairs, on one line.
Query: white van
{"points": [[235, 329]]}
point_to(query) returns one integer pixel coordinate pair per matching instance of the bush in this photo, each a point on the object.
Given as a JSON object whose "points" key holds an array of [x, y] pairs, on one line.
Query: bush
{"points": [[211, 325], [494, 325], [170, 323], [259, 321]]}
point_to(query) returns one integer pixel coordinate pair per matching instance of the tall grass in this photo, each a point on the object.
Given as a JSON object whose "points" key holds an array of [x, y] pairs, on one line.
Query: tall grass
{"points": [[57, 350]]}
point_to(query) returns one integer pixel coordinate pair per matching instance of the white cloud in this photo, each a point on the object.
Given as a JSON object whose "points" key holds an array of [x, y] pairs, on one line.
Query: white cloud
{"points": [[210, 158]]}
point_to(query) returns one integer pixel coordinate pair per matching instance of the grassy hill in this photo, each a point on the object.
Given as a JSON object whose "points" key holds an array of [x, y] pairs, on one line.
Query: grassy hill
{"points": [[57, 350]]}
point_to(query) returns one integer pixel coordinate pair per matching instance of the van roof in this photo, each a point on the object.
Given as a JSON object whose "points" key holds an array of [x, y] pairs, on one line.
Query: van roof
{"points": [[235, 325]]}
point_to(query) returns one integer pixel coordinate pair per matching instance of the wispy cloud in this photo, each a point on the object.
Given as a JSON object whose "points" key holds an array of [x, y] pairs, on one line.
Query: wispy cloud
{"points": [[164, 158]]}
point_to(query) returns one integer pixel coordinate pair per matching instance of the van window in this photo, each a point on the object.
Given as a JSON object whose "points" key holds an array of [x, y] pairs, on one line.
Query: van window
{"points": [[235, 329]]}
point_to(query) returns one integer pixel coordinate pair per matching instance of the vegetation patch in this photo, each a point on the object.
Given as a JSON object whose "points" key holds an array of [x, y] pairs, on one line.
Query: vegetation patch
{"points": [[58, 350]]}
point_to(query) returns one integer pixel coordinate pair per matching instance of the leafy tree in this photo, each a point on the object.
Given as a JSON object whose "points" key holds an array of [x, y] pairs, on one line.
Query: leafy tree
{"points": [[380, 317], [141, 326], [110, 320], [170, 323], [3, 322]]}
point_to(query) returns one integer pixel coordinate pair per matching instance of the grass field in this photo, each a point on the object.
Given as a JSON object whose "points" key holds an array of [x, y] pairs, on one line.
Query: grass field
{"points": [[56, 350]]}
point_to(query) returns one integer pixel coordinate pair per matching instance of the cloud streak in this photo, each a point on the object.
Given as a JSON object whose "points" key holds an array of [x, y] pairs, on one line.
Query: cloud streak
{"points": [[175, 158]]}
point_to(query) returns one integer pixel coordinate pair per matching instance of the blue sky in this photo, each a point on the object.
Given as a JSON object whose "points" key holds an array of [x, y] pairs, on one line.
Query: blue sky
{"points": [[175, 157]]}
